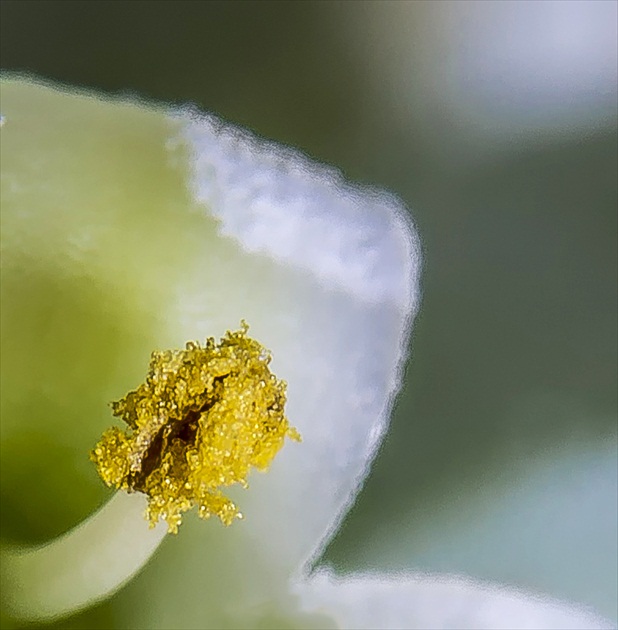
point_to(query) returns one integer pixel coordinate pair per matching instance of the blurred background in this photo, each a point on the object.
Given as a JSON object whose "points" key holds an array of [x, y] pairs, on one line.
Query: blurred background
{"points": [[496, 123]]}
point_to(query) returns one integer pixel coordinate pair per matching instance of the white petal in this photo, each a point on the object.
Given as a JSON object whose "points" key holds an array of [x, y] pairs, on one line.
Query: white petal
{"points": [[333, 301], [274, 201], [547, 523], [432, 601]]}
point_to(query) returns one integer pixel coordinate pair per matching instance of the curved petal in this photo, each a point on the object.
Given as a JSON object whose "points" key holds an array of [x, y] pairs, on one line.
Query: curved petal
{"points": [[126, 230], [310, 252], [339, 284], [547, 523], [433, 601]]}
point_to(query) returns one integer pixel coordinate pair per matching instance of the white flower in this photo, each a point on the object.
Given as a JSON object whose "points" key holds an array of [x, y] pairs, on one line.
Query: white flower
{"points": [[96, 194]]}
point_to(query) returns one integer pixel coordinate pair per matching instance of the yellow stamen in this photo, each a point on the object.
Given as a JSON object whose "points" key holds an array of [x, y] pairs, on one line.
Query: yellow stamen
{"points": [[202, 419]]}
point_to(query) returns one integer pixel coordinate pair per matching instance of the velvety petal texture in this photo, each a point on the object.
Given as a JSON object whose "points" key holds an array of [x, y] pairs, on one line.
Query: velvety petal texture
{"points": [[340, 285], [301, 254]]}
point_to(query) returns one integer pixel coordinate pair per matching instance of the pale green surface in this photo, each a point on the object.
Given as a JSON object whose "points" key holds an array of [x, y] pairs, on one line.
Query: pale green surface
{"points": [[64, 250]]}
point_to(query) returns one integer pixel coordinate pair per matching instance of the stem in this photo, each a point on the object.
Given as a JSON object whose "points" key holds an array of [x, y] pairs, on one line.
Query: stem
{"points": [[83, 566]]}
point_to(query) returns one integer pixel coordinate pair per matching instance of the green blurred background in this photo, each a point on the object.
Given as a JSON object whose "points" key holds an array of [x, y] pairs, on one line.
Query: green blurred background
{"points": [[510, 396]]}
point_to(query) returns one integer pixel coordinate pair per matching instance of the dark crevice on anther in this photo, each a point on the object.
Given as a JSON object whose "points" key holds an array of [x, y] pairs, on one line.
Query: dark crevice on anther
{"points": [[184, 430], [150, 461]]}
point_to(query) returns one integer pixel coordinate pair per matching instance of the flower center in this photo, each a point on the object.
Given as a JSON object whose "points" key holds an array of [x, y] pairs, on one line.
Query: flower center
{"points": [[204, 417]]}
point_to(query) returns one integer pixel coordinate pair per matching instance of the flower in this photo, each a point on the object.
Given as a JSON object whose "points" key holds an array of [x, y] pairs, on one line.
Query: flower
{"points": [[109, 254]]}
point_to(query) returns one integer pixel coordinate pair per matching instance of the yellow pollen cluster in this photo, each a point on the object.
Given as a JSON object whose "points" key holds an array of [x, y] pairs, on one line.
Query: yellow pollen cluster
{"points": [[202, 419]]}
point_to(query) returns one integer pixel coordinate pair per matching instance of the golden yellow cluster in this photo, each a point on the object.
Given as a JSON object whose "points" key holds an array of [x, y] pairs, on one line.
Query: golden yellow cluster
{"points": [[202, 419]]}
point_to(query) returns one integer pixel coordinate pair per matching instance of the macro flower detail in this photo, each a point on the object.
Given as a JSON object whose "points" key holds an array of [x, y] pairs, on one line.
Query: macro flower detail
{"points": [[128, 227], [202, 419]]}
